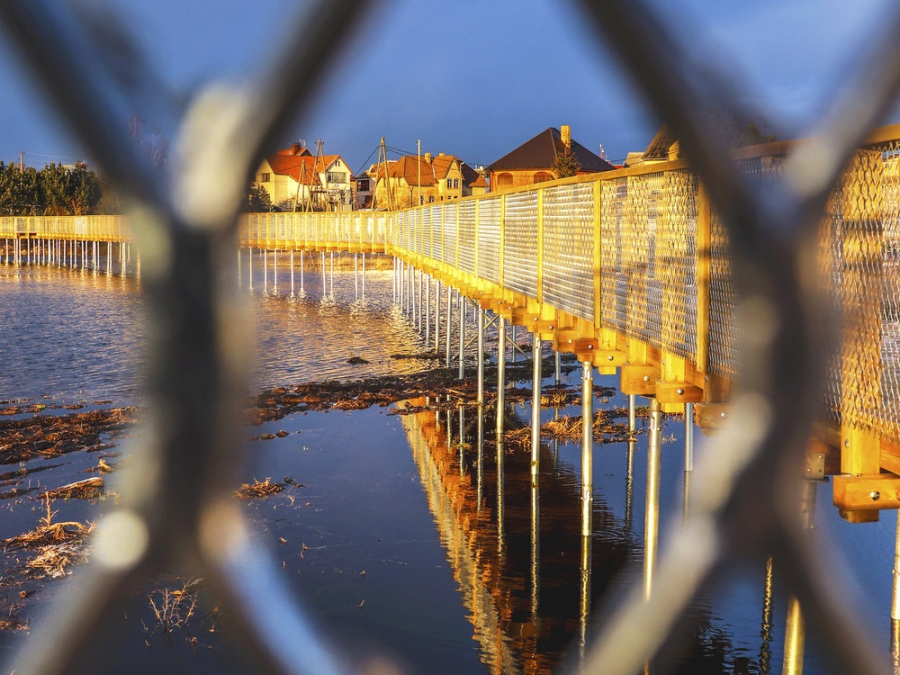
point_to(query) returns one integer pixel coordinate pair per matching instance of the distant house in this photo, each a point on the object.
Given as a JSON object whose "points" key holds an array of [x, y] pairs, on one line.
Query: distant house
{"points": [[427, 179], [664, 147], [533, 161], [296, 176]]}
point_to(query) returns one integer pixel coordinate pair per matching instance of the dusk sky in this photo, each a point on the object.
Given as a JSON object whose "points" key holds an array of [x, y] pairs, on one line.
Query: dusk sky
{"points": [[474, 78]]}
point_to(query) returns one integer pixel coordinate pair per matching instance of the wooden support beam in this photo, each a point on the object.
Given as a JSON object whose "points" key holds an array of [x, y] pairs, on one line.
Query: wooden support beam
{"points": [[678, 392], [867, 493], [639, 380], [860, 452], [711, 416], [609, 358]]}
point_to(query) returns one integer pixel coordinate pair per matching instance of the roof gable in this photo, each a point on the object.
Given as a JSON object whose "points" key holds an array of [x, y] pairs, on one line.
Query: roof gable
{"points": [[540, 153]]}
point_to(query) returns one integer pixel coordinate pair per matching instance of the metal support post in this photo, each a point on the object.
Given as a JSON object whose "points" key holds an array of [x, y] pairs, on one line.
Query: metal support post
{"points": [[292, 273], [265, 272], [651, 519], [535, 407], [462, 336], [302, 289], [895, 598], [250, 265], [449, 319], [275, 269], [688, 436], [331, 294], [556, 369], [427, 312], [480, 357], [587, 447], [364, 276], [356, 276], [324, 278], [437, 315], [501, 376]]}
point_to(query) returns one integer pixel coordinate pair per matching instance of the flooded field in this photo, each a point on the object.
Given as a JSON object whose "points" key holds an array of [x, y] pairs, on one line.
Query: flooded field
{"points": [[406, 530]]}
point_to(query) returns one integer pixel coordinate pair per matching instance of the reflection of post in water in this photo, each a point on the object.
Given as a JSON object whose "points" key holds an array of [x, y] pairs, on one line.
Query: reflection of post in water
{"points": [[765, 652], [584, 619], [651, 519], [479, 490], [629, 484], [462, 438], [795, 628]]}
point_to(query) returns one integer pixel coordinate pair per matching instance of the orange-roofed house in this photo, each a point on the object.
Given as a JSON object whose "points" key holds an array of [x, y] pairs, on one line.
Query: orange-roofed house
{"points": [[424, 180], [534, 161]]}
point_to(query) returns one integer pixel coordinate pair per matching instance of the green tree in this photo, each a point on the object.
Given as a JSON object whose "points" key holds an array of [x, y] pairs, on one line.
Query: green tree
{"points": [[565, 164], [20, 192], [257, 200]]}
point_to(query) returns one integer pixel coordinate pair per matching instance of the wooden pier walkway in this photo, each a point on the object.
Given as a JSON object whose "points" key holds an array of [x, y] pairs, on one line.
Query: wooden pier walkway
{"points": [[629, 270]]}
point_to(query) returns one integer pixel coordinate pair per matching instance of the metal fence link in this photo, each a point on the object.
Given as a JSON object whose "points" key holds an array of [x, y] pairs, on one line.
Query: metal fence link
{"points": [[760, 245]]}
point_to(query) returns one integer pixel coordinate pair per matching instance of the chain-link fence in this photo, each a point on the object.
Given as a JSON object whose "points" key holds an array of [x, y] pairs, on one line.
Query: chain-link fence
{"points": [[644, 230]]}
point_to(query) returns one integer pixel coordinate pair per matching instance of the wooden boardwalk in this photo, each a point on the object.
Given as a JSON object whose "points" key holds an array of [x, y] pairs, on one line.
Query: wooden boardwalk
{"points": [[629, 270]]}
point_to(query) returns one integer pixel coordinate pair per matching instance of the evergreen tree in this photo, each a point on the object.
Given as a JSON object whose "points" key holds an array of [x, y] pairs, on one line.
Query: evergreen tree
{"points": [[565, 164]]}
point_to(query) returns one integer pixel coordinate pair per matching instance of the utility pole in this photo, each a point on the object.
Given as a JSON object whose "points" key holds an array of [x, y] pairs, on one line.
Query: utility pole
{"points": [[21, 160], [382, 169]]}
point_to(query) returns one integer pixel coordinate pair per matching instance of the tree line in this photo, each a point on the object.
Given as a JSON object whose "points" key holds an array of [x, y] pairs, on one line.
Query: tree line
{"points": [[55, 190]]}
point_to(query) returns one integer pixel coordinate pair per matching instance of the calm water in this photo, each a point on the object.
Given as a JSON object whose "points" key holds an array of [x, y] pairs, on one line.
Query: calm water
{"points": [[410, 538]]}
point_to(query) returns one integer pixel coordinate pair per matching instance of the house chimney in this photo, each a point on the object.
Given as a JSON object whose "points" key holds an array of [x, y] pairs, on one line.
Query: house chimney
{"points": [[566, 134], [428, 157]]}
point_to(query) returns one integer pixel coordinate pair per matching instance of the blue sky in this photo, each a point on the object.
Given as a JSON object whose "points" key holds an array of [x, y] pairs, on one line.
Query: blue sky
{"points": [[474, 78]]}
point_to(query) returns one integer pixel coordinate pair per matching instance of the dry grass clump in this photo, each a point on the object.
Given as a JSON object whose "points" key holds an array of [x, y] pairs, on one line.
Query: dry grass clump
{"points": [[259, 489], [90, 488], [173, 608], [58, 545]]}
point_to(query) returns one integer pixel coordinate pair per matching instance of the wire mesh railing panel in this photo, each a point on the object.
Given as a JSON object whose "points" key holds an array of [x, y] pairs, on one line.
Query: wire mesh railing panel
{"points": [[520, 243], [613, 280], [723, 349], [450, 234], [865, 210], [437, 232], [643, 287], [568, 256], [489, 233], [467, 242], [677, 261], [890, 295]]}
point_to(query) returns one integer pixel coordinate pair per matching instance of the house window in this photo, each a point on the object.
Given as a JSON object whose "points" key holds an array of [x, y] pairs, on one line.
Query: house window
{"points": [[336, 177], [453, 183], [542, 176], [362, 184], [504, 179], [265, 177]]}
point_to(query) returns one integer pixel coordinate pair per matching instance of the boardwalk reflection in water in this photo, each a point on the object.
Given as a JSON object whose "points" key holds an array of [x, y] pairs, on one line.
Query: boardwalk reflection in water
{"points": [[528, 577]]}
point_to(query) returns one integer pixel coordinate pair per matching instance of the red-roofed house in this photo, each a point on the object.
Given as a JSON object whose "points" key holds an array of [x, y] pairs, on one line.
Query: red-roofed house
{"points": [[533, 161], [296, 176]]}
